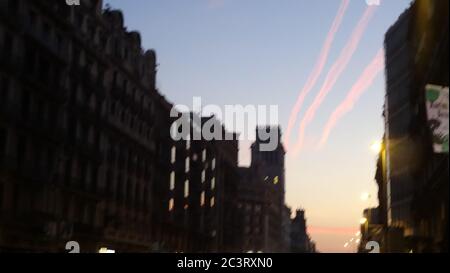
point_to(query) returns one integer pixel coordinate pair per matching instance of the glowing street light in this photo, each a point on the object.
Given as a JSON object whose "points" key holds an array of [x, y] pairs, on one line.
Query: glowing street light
{"points": [[365, 196], [106, 250], [376, 146], [363, 220]]}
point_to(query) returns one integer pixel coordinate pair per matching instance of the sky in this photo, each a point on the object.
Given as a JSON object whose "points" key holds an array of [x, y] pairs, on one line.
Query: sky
{"points": [[261, 52]]}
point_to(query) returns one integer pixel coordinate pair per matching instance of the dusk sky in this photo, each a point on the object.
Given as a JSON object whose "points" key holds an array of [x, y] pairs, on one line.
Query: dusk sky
{"points": [[261, 52]]}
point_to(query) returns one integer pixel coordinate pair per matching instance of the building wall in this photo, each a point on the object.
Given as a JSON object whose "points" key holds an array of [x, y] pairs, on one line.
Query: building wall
{"points": [[261, 199], [78, 136], [300, 240], [197, 199], [416, 55]]}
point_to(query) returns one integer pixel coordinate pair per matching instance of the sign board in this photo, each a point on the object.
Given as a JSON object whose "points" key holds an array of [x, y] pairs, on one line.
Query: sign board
{"points": [[437, 116]]}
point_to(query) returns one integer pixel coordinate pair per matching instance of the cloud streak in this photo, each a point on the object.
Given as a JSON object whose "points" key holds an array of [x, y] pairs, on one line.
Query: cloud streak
{"points": [[361, 85], [334, 74], [317, 70]]}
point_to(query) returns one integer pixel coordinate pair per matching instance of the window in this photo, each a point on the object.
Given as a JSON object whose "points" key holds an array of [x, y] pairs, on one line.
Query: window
{"points": [[212, 202], [204, 155], [275, 180], [171, 204], [202, 199], [173, 154], [203, 176], [213, 183], [186, 189], [172, 181], [188, 144], [187, 165], [213, 164], [247, 230]]}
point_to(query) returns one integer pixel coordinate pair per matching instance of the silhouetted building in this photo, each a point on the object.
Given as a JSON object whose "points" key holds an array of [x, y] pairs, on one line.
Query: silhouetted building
{"points": [[261, 197], [197, 199], [286, 229], [253, 204], [417, 178], [300, 240], [371, 230], [78, 139], [271, 164], [86, 153]]}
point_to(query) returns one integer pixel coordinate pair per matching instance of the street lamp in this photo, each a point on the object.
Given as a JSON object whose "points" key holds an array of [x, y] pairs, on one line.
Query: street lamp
{"points": [[363, 220], [377, 146], [365, 196]]}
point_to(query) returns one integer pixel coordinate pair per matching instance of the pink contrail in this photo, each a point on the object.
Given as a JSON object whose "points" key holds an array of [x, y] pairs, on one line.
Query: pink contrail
{"points": [[334, 73], [363, 83], [317, 70]]}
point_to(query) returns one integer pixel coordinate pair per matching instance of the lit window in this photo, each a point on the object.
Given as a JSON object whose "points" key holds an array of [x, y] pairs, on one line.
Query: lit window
{"points": [[202, 199], [187, 165], [186, 206], [213, 164], [213, 183], [171, 204], [266, 178], [203, 176], [172, 181], [173, 154], [204, 155], [106, 250], [212, 202], [186, 188], [188, 144], [275, 180]]}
